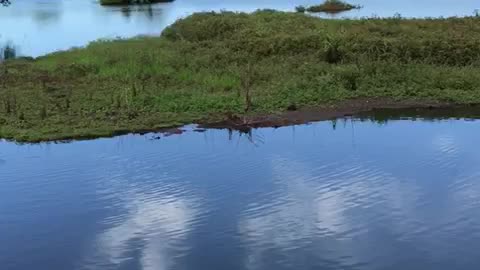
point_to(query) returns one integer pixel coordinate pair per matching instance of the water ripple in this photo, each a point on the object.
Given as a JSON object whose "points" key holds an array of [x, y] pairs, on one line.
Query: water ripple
{"points": [[200, 201]]}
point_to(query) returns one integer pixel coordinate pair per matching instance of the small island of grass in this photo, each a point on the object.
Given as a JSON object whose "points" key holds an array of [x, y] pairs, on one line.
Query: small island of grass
{"points": [[329, 6], [212, 67]]}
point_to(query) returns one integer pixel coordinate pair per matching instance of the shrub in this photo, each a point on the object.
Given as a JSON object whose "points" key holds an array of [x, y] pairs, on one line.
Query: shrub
{"points": [[301, 9], [332, 6]]}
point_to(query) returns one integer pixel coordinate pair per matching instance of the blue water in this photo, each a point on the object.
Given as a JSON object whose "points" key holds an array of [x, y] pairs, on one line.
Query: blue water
{"points": [[369, 196], [38, 27]]}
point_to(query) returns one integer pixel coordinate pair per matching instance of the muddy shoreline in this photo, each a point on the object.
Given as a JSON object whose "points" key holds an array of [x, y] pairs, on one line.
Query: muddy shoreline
{"points": [[360, 108], [372, 109]]}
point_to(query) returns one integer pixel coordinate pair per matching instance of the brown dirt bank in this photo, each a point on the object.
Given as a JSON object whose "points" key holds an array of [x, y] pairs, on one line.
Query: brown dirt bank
{"points": [[362, 108]]}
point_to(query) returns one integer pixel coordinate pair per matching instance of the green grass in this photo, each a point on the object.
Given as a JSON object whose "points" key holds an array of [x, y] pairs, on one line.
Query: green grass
{"points": [[329, 6], [203, 66]]}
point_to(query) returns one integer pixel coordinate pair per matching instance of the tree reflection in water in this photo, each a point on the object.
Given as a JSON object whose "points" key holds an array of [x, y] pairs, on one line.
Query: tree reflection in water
{"points": [[7, 51]]}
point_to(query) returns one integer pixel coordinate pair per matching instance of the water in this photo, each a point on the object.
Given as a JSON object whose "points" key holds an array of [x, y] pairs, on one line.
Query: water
{"points": [[400, 195], [38, 27]]}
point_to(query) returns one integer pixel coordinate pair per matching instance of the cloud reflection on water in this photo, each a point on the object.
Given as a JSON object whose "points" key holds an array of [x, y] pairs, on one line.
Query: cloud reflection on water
{"points": [[155, 222]]}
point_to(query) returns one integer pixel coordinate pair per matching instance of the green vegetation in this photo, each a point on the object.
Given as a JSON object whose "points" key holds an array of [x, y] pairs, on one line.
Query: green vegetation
{"points": [[329, 6], [301, 9], [129, 2], [210, 66]]}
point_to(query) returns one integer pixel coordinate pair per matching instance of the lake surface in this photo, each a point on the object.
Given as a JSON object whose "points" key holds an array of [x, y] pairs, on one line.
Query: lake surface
{"points": [[38, 27], [346, 195]]}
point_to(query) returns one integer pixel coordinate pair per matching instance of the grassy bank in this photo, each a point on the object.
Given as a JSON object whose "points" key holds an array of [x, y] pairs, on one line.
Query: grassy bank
{"points": [[211, 66]]}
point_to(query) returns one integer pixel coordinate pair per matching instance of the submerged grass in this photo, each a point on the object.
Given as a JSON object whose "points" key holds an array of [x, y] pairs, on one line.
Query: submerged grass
{"points": [[212, 65]]}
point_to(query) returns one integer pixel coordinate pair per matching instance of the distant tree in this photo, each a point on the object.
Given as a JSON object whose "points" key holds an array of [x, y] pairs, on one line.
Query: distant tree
{"points": [[4, 2]]}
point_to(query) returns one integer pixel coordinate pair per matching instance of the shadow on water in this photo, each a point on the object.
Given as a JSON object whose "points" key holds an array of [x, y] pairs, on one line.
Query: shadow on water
{"points": [[383, 116], [126, 12], [376, 116], [147, 11], [250, 135]]}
